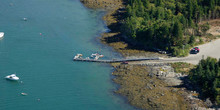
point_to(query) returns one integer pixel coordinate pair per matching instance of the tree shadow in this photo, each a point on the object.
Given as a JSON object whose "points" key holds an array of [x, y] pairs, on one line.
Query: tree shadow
{"points": [[186, 83], [189, 86], [114, 39], [119, 16], [131, 44]]}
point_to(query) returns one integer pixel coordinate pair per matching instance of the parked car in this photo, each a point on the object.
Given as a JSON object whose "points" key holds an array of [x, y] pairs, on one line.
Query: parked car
{"points": [[197, 49], [124, 62], [194, 50]]}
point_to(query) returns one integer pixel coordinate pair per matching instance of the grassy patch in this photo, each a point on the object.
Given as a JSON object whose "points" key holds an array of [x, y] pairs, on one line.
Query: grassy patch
{"points": [[181, 67]]}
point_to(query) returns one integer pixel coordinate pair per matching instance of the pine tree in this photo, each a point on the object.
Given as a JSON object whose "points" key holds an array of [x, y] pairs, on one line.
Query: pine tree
{"points": [[189, 9], [178, 33], [216, 90], [146, 3], [129, 10], [219, 62], [212, 4], [192, 40], [159, 2], [140, 9], [199, 73]]}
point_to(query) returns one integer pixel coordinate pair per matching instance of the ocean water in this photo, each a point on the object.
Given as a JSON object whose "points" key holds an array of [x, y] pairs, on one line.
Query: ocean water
{"points": [[40, 52]]}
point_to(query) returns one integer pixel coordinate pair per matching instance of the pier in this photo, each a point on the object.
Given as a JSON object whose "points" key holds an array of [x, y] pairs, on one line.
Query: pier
{"points": [[113, 60]]}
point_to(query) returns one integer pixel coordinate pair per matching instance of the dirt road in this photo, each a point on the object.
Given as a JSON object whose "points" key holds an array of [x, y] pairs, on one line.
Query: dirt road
{"points": [[211, 49]]}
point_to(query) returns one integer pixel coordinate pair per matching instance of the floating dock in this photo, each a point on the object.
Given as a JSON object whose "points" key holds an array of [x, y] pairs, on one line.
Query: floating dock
{"points": [[114, 60]]}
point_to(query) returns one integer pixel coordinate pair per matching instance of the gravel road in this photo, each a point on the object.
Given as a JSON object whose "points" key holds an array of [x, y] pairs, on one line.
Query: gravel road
{"points": [[211, 49]]}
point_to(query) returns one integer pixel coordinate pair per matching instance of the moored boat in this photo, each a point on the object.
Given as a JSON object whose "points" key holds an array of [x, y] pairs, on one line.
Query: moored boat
{"points": [[96, 54], [1, 34], [24, 94], [12, 77]]}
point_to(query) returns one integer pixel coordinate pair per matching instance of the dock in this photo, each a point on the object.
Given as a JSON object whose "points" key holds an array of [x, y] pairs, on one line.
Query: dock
{"points": [[114, 60]]}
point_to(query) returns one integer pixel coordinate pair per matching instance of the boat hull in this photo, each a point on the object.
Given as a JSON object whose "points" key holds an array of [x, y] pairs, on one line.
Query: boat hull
{"points": [[14, 78], [1, 35]]}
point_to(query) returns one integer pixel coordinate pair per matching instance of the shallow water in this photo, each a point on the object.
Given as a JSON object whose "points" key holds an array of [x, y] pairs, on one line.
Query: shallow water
{"points": [[44, 61]]}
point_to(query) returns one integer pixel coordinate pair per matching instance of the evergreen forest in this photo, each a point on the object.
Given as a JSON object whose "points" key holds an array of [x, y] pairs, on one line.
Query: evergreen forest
{"points": [[169, 25]]}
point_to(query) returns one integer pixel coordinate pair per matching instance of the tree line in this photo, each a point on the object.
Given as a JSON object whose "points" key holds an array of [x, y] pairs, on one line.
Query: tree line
{"points": [[163, 24], [207, 76]]}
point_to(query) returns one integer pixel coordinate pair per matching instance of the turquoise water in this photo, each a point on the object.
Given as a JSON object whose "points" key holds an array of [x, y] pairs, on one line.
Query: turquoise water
{"points": [[44, 62]]}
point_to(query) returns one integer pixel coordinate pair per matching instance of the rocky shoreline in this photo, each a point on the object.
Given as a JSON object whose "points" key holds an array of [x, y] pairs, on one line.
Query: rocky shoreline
{"points": [[145, 86], [155, 87]]}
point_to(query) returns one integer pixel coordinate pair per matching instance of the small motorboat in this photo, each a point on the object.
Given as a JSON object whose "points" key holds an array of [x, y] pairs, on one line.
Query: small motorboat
{"points": [[101, 56], [12, 77], [24, 94], [78, 56], [1, 34], [25, 19], [94, 54]]}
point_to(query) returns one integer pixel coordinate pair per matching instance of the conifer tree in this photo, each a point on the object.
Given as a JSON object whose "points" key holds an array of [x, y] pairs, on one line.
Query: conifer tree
{"points": [[207, 77], [189, 9], [159, 2], [146, 3], [178, 33]]}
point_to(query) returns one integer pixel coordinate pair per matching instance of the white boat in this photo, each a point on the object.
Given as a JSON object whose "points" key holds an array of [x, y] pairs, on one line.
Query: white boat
{"points": [[25, 19], [96, 58], [96, 54], [12, 77], [24, 94], [101, 56], [78, 56], [2, 34]]}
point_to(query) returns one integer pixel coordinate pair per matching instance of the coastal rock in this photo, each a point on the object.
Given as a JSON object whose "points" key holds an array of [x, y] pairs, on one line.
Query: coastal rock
{"points": [[208, 102]]}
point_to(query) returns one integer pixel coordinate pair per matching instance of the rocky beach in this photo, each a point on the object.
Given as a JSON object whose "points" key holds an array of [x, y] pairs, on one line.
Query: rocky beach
{"points": [[154, 87]]}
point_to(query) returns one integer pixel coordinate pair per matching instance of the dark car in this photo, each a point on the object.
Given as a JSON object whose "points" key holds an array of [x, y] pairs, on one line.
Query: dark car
{"points": [[194, 50], [197, 49]]}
